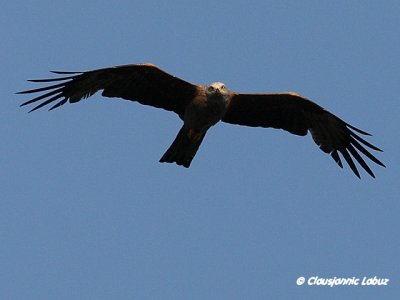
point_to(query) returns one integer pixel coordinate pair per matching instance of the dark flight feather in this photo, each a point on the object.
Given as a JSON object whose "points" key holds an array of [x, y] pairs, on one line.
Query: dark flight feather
{"points": [[145, 84], [298, 115]]}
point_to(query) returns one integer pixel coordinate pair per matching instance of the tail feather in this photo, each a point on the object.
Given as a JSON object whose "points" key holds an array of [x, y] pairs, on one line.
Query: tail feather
{"points": [[184, 148]]}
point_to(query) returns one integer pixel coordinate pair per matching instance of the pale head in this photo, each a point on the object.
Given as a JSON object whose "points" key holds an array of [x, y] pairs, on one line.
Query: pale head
{"points": [[217, 88]]}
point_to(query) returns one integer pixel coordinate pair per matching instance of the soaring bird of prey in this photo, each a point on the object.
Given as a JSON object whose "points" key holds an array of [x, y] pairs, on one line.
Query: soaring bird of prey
{"points": [[201, 107]]}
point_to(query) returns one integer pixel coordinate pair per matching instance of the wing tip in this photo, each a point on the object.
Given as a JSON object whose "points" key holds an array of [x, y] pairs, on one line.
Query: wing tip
{"points": [[358, 130], [67, 72]]}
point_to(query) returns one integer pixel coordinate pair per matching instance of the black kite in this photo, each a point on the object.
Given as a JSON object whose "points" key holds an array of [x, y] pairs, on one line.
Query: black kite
{"points": [[201, 107]]}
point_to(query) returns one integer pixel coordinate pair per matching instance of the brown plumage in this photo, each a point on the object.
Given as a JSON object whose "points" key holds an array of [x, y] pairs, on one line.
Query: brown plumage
{"points": [[201, 107]]}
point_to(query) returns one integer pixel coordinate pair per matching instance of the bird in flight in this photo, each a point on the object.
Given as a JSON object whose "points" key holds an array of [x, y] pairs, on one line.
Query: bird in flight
{"points": [[201, 107]]}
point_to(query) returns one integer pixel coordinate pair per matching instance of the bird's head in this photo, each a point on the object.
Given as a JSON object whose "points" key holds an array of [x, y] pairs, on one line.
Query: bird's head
{"points": [[217, 88]]}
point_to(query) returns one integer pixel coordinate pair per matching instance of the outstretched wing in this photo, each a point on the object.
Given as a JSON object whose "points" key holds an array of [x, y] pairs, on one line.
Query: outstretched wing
{"points": [[298, 115], [144, 83]]}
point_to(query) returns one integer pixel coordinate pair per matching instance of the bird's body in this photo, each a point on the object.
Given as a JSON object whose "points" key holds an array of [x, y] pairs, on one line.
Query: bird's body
{"points": [[206, 109], [201, 107]]}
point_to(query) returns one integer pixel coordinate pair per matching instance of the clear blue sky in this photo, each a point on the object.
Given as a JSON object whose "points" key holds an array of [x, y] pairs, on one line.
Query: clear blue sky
{"points": [[86, 210]]}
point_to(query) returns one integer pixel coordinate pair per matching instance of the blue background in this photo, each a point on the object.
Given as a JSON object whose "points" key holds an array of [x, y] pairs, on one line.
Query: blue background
{"points": [[86, 210]]}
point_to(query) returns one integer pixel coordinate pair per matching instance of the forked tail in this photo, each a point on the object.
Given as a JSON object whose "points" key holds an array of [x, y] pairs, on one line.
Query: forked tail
{"points": [[184, 148]]}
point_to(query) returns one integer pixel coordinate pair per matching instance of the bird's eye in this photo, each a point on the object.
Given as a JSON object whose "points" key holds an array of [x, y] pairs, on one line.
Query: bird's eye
{"points": [[223, 87], [211, 89]]}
